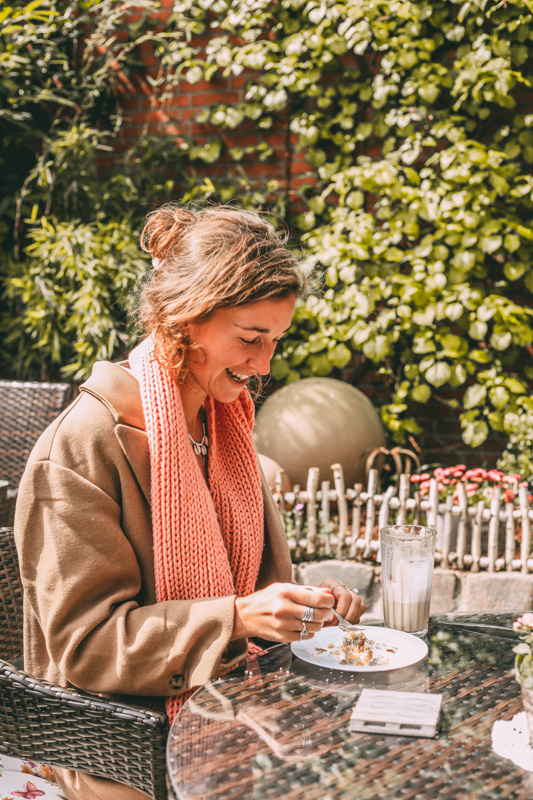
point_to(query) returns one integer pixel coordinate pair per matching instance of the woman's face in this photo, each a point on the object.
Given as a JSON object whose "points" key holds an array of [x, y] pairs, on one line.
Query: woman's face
{"points": [[235, 344]]}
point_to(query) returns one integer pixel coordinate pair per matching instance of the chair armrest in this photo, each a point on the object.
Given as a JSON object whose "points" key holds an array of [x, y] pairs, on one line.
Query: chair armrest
{"points": [[76, 730]]}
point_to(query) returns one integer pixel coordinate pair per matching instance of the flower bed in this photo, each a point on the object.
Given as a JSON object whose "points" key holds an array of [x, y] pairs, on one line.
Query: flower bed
{"points": [[482, 524], [478, 483]]}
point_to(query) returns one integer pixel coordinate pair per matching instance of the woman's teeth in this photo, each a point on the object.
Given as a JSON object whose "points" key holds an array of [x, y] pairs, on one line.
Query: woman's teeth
{"points": [[236, 376]]}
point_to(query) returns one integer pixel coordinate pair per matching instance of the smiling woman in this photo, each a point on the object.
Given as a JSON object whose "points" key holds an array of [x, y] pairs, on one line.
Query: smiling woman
{"points": [[152, 554], [235, 344]]}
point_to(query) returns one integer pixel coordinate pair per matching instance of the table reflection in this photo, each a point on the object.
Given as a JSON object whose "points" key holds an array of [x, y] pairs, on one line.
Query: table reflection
{"points": [[280, 727]]}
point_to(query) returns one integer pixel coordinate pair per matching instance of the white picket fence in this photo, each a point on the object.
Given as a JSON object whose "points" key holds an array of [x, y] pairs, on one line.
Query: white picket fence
{"points": [[335, 521]]}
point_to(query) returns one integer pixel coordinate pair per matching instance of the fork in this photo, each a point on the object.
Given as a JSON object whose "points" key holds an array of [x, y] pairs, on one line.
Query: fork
{"points": [[344, 625]]}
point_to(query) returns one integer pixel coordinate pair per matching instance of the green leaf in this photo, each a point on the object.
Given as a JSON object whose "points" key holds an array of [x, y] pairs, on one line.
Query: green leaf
{"points": [[452, 345], [464, 260], [454, 311], [299, 354], [511, 243], [501, 340], [361, 335], [320, 364], [425, 317], [480, 356], [421, 393], [477, 330], [499, 397], [475, 396], [514, 385], [475, 433], [459, 375], [496, 420], [423, 343], [339, 355], [317, 342], [438, 374], [513, 271], [279, 367], [377, 347]]}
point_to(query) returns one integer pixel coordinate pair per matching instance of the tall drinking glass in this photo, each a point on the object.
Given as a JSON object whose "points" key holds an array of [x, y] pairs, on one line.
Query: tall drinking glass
{"points": [[407, 559]]}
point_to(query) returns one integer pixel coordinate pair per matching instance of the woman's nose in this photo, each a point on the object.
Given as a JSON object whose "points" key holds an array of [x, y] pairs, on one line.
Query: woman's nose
{"points": [[260, 362]]}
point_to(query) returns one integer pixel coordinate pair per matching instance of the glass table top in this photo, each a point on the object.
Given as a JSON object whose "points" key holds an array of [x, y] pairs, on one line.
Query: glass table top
{"points": [[278, 727]]}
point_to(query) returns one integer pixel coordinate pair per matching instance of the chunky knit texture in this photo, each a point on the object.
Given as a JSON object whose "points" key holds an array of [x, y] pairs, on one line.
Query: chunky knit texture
{"points": [[208, 542]]}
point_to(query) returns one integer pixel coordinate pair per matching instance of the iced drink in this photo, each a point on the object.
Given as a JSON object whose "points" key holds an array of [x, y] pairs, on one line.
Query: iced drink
{"points": [[407, 558]]}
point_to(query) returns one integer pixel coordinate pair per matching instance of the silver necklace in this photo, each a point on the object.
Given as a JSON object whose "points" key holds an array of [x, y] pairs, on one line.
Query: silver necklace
{"points": [[200, 448]]}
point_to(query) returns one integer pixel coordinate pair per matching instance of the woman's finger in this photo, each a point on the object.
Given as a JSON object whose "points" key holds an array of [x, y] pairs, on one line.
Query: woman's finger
{"points": [[347, 601]]}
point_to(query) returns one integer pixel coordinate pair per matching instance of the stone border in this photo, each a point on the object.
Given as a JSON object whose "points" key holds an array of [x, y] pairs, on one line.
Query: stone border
{"points": [[451, 591]]}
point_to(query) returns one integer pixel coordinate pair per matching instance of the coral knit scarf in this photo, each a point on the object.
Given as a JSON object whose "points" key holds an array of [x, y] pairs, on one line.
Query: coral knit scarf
{"points": [[208, 542]]}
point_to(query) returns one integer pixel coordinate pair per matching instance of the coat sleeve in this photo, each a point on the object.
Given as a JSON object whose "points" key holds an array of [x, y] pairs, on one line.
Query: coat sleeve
{"points": [[91, 619]]}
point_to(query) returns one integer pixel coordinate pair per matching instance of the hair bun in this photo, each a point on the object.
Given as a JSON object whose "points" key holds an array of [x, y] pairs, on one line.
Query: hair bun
{"points": [[163, 231]]}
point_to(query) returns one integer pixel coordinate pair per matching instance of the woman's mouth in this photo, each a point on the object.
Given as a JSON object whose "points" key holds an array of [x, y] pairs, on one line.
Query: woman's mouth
{"points": [[236, 376]]}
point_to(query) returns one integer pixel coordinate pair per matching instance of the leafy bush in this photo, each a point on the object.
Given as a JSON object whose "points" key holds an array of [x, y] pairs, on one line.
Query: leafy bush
{"points": [[415, 125], [71, 213], [518, 453], [409, 143]]}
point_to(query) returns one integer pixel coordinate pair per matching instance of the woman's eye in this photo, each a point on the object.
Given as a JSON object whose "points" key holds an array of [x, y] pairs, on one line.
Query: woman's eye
{"points": [[250, 341]]}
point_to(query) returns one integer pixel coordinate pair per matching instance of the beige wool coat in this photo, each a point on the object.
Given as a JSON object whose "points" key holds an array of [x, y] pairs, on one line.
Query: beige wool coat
{"points": [[84, 538]]}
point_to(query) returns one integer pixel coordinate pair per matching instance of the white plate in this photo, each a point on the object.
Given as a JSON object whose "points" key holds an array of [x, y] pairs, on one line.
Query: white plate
{"points": [[408, 649]]}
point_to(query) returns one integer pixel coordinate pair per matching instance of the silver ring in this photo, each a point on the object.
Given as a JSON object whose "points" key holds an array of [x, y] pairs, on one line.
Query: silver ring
{"points": [[308, 614], [304, 633], [353, 589], [339, 584]]}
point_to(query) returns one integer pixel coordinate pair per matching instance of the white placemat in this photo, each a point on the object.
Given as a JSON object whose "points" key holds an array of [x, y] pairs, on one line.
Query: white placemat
{"points": [[510, 739]]}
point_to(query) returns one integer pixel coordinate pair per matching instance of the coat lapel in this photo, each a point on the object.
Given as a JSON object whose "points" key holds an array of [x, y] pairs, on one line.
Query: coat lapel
{"points": [[119, 391], [134, 443]]}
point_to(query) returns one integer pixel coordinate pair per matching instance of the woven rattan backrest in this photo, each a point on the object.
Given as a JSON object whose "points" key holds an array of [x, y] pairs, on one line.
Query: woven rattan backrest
{"points": [[68, 728], [10, 598], [27, 408]]}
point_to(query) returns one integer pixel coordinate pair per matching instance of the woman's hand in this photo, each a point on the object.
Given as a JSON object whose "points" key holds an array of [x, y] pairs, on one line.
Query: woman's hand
{"points": [[276, 613], [347, 601]]}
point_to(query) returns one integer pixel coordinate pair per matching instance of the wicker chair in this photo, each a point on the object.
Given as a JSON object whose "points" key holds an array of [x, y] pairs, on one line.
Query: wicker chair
{"points": [[27, 409], [66, 728]]}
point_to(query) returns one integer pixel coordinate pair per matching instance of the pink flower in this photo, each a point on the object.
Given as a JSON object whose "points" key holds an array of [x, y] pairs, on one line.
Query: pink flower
{"points": [[473, 475], [494, 475], [526, 621]]}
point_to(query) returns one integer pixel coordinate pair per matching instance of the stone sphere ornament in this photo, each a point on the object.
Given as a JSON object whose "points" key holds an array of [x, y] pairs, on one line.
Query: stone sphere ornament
{"points": [[317, 422], [270, 469]]}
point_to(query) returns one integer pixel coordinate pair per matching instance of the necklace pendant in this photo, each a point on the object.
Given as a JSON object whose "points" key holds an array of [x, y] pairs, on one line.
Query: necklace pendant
{"points": [[200, 448]]}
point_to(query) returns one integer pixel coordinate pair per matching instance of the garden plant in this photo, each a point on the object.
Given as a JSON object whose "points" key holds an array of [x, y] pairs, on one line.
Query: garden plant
{"points": [[415, 124], [415, 118], [75, 190]]}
